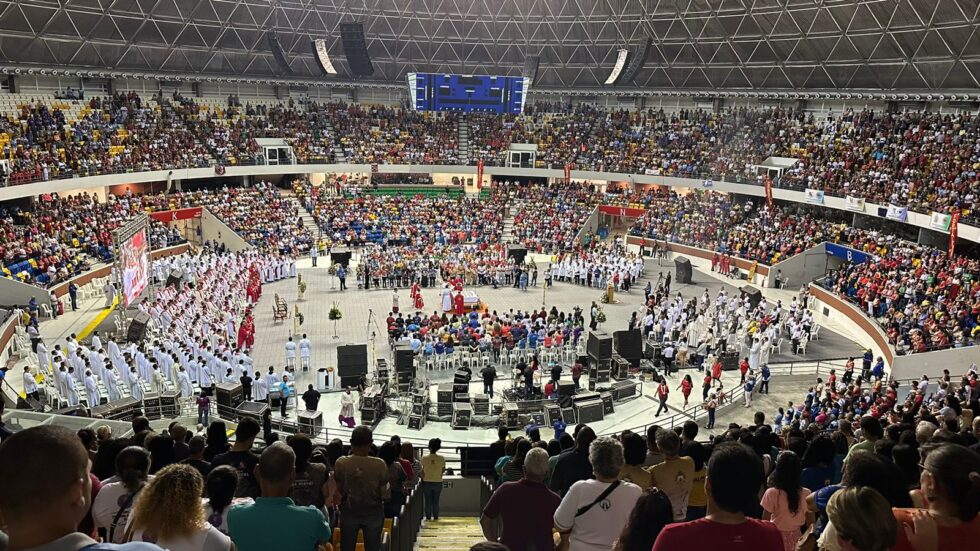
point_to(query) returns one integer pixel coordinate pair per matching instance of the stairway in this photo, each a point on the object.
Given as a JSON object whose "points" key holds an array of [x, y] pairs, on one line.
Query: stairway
{"points": [[463, 137], [507, 233], [338, 152], [449, 534], [308, 221]]}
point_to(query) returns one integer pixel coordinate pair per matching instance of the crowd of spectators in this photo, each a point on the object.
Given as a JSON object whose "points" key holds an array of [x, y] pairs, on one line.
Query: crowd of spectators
{"points": [[381, 134], [547, 218]]}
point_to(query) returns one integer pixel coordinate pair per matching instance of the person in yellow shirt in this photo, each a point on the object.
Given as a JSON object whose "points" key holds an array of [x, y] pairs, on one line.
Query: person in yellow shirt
{"points": [[635, 452], [433, 467], [675, 474], [697, 502]]}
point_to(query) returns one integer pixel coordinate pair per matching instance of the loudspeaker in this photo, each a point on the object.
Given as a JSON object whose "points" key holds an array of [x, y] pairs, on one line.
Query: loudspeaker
{"points": [[684, 271], [568, 415], [623, 389], [565, 392], [729, 361], [355, 49], [755, 295], [278, 53], [509, 416], [600, 345], [628, 344], [444, 393], [351, 363], [462, 414], [589, 411], [137, 327], [173, 280], [531, 64], [636, 62], [607, 403], [517, 252], [416, 422], [340, 256], [552, 413]]}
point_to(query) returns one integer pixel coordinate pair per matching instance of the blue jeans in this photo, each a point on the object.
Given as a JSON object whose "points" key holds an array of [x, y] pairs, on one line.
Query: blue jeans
{"points": [[202, 416], [372, 525], [431, 492]]}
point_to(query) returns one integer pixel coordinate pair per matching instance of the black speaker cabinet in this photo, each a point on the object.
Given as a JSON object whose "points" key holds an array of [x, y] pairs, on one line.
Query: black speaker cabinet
{"points": [[628, 344], [462, 415], [607, 403], [568, 415], [552, 413], [729, 361], [418, 409], [537, 418], [416, 422], [599, 346], [755, 295], [355, 49], [623, 389], [137, 327], [589, 411], [481, 404], [340, 256], [444, 393], [509, 416], [310, 422], [174, 279], [684, 270], [404, 358], [229, 395], [517, 252]]}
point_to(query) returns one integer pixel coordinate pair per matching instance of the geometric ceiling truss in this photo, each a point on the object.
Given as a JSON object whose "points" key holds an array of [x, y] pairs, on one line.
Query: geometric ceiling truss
{"points": [[697, 44]]}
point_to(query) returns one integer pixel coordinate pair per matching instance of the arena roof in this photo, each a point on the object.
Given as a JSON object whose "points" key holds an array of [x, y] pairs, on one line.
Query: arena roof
{"points": [[697, 44]]}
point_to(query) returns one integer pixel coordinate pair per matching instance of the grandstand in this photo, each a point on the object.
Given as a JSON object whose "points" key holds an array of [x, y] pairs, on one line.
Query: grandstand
{"points": [[752, 224]]}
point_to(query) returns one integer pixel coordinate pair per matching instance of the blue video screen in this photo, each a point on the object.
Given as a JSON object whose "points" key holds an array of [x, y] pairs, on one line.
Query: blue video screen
{"points": [[432, 92]]}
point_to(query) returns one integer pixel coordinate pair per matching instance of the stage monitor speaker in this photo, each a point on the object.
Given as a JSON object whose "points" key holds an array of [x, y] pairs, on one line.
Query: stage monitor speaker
{"points": [[628, 344], [278, 53], [416, 422], [589, 411], [600, 345], [684, 270], [355, 49], [517, 252], [755, 295], [340, 256], [137, 327], [174, 279]]}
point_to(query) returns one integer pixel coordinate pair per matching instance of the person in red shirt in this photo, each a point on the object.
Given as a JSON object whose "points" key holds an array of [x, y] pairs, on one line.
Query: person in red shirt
{"points": [[716, 370], [685, 387], [743, 366], [735, 476], [662, 392]]}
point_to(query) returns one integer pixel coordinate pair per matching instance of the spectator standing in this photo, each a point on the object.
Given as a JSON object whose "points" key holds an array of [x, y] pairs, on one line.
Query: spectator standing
{"points": [[47, 487], [652, 512], [735, 476], [242, 459], [593, 513], [433, 467], [573, 465], [112, 507], [525, 508], [675, 475], [784, 504], [273, 521], [169, 513], [196, 458], [863, 520], [363, 485]]}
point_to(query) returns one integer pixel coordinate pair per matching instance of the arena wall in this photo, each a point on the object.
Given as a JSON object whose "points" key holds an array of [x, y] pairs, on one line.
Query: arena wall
{"points": [[829, 308]]}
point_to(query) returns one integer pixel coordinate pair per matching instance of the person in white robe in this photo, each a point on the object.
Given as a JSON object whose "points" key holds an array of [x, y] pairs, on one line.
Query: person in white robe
{"points": [[446, 298], [206, 377], [305, 351], [43, 357], [92, 390], [135, 385], [184, 383], [156, 380], [260, 388], [290, 353], [96, 342], [111, 387], [72, 394]]}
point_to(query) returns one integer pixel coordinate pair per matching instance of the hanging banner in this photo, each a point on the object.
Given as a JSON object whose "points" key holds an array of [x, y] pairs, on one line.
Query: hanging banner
{"points": [[954, 229], [940, 221], [855, 203], [568, 173], [768, 193], [897, 213], [174, 215], [614, 210], [479, 174], [814, 196], [847, 253]]}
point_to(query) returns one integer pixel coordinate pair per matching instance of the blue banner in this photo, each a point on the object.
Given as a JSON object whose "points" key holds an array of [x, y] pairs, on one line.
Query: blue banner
{"points": [[847, 253]]}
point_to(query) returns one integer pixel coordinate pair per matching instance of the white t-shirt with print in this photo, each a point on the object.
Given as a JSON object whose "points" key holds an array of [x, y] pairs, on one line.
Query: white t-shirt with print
{"points": [[597, 529], [207, 538]]}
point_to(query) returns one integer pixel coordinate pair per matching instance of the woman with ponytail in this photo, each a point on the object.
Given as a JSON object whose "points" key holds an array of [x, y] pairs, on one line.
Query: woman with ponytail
{"points": [[950, 484]]}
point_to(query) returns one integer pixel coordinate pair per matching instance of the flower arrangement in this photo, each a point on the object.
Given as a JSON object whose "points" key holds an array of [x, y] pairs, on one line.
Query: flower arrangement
{"points": [[334, 314], [302, 287]]}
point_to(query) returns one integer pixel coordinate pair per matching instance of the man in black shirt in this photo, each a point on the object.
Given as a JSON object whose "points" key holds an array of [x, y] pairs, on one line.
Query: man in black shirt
{"points": [[574, 464], [311, 398], [555, 373], [196, 458], [489, 374], [246, 380], [242, 459]]}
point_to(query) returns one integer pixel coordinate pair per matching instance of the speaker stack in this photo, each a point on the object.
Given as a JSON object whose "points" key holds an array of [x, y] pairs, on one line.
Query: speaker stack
{"points": [[462, 415], [481, 404], [351, 364], [588, 407], [404, 367], [565, 392], [420, 409], [137, 327], [599, 348], [355, 49], [444, 399], [629, 345]]}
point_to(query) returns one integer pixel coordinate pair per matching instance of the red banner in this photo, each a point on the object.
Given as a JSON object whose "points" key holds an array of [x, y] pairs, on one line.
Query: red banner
{"points": [[479, 174], [174, 215], [954, 226], [621, 211], [769, 192], [568, 173]]}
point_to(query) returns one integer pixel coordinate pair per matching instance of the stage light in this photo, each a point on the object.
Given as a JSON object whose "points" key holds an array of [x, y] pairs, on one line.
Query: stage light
{"points": [[617, 70]]}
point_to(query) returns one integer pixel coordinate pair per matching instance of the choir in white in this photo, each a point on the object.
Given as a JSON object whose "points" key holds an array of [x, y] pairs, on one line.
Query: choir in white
{"points": [[598, 267], [193, 339]]}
